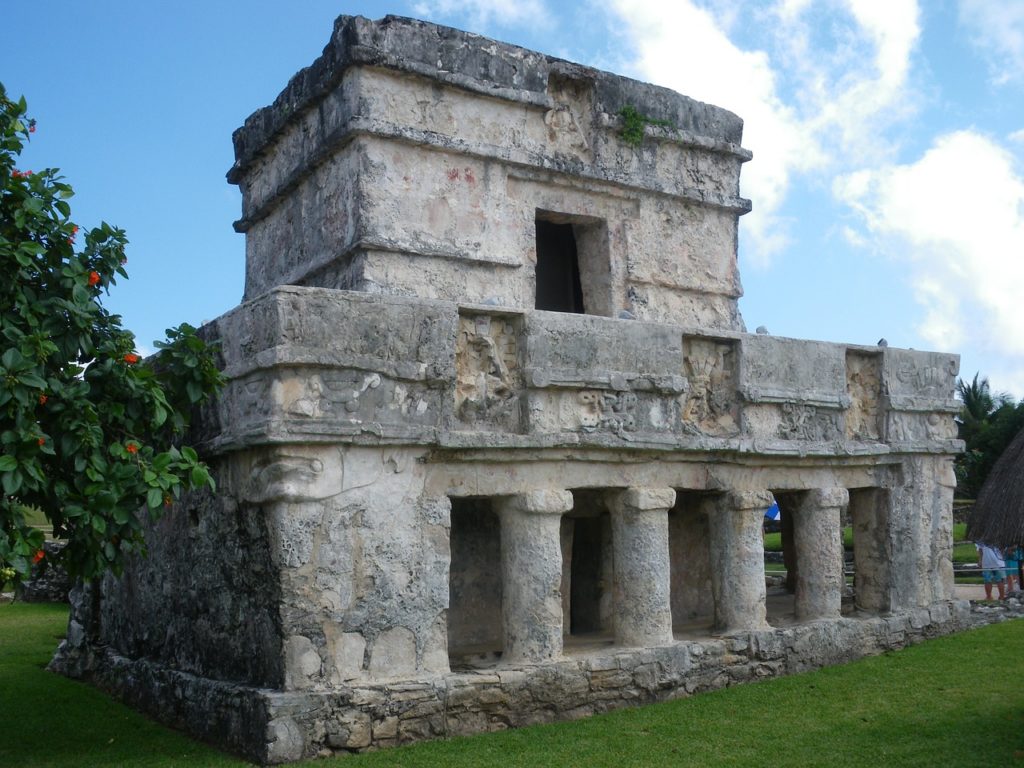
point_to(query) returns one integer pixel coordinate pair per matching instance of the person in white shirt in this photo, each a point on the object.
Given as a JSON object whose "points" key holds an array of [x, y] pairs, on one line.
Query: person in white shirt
{"points": [[992, 569]]}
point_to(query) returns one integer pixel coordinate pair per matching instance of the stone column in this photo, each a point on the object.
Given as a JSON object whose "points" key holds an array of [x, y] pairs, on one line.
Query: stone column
{"points": [[531, 564], [737, 560], [643, 607], [818, 541]]}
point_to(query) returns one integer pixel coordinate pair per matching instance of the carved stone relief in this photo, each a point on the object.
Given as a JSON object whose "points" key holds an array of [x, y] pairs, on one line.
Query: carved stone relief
{"points": [[807, 422], [487, 371], [562, 123], [571, 101], [924, 374], [919, 427], [253, 398], [302, 474], [332, 395], [864, 385], [709, 406], [614, 411], [309, 400]]}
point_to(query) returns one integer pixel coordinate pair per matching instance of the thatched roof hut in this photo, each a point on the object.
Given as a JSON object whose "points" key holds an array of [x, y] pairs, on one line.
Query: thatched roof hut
{"points": [[998, 515]]}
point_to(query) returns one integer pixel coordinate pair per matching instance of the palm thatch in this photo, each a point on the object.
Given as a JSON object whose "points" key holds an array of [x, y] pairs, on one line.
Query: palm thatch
{"points": [[998, 515]]}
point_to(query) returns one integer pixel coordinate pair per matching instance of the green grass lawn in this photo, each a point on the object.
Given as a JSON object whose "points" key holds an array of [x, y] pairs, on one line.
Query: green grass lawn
{"points": [[48, 720], [954, 701]]}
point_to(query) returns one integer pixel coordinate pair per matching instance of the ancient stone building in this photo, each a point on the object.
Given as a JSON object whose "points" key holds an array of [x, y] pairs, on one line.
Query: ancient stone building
{"points": [[496, 447]]}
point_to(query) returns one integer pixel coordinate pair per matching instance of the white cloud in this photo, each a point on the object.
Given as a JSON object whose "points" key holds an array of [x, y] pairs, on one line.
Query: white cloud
{"points": [[481, 14], [810, 105], [1017, 136], [997, 29], [957, 216]]}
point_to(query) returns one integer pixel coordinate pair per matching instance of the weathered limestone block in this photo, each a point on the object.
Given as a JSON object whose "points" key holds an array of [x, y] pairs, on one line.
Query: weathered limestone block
{"points": [[791, 371], [920, 528], [737, 558], [710, 405], [531, 563], [817, 537], [302, 664], [864, 386], [488, 382], [643, 610]]}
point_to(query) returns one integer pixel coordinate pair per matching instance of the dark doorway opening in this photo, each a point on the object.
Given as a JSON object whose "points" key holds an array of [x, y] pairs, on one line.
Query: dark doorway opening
{"points": [[558, 269], [475, 584], [586, 585]]}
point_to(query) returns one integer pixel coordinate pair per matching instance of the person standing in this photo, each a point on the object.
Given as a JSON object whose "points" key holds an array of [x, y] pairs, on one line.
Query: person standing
{"points": [[992, 569], [1011, 556]]}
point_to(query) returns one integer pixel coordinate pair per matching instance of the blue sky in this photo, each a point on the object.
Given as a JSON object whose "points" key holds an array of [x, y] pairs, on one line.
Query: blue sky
{"points": [[888, 140]]}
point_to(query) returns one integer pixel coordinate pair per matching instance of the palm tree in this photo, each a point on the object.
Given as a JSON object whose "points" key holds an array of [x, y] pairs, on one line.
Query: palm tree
{"points": [[977, 400], [986, 423]]}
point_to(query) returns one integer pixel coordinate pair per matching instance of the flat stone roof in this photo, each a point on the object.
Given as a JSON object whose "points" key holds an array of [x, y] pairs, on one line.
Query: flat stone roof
{"points": [[471, 62]]}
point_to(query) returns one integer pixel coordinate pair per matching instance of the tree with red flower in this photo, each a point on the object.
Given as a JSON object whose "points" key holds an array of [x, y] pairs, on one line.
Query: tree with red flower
{"points": [[109, 443]]}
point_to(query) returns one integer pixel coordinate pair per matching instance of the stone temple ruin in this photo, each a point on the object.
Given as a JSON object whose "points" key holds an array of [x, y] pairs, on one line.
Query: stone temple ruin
{"points": [[496, 448]]}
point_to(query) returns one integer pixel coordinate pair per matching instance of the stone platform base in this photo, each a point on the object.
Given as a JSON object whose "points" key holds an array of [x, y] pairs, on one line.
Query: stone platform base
{"points": [[274, 726]]}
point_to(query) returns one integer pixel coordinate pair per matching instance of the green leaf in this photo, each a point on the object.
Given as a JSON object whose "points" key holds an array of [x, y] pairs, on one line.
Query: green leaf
{"points": [[11, 359], [31, 380], [12, 482], [8, 463], [154, 498]]}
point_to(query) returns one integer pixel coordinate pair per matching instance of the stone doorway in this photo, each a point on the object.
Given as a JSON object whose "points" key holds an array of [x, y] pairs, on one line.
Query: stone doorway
{"points": [[587, 570], [475, 633], [693, 605]]}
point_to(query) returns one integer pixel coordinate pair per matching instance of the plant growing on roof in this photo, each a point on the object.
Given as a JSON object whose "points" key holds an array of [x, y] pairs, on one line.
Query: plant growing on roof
{"points": [[633, 124]]}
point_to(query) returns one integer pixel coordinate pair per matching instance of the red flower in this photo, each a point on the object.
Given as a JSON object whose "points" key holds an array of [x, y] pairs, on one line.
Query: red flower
{"points": [[39, 555], [131, 358], [31, 127], [43, 399], [168, 500], [94, 277], [42, 441], [132, 448]]}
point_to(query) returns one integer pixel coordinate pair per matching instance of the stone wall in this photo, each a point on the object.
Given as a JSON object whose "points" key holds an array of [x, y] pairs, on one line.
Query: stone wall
{"points": [[280, 727], [400, 178]]}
